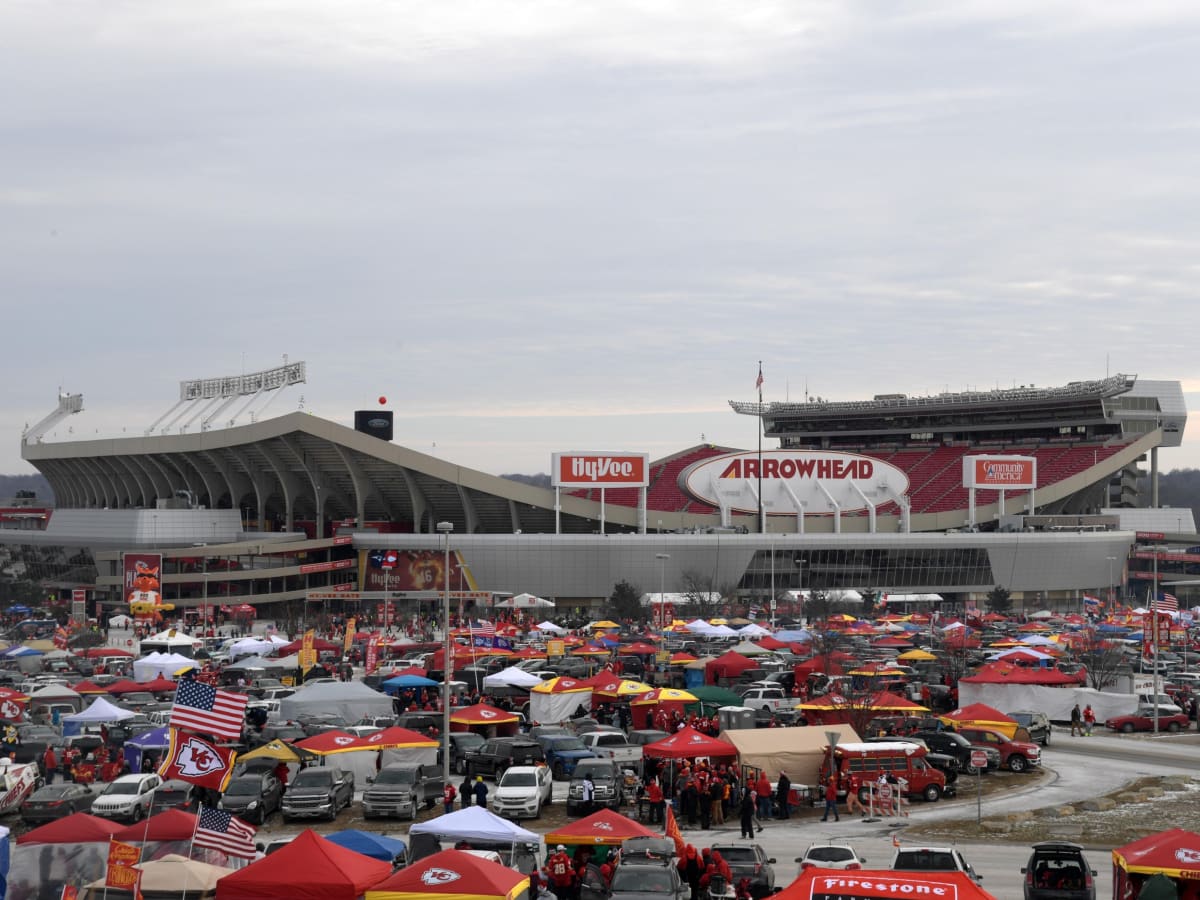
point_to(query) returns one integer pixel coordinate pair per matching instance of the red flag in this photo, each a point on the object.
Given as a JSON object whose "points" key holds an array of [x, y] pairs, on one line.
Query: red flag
{"points": [[196, 760], [671, 830], [372, 660], [69, 892], [122, 871]]}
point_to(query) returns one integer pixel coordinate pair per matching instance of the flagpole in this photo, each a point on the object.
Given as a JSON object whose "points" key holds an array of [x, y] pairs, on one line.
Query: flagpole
{"points": [[195, 828], [762, 525]]}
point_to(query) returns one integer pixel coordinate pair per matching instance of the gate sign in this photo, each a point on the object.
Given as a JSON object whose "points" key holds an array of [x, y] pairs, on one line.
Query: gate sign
{"points": [[599, 469], [1000, 473], [819, 481]]}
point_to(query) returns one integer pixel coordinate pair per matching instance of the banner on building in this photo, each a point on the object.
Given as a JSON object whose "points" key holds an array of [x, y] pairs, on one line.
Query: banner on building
{"points": [[308, 655]]}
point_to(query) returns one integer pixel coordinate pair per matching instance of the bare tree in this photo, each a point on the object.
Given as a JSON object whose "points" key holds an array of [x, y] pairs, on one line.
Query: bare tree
{"points": [[698, 593], [1103, 660]]}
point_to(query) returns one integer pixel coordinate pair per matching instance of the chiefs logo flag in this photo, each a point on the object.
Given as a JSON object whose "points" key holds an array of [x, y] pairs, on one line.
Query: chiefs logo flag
{"points": [[198, 761]]}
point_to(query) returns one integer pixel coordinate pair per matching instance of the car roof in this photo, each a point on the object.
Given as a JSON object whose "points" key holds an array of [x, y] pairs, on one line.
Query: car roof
{"points": [[1057, 845]]}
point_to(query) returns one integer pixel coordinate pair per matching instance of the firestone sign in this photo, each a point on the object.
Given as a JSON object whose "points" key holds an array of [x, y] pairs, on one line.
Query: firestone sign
{"points": [[598, 469], [810, 477], [1000, 473]]}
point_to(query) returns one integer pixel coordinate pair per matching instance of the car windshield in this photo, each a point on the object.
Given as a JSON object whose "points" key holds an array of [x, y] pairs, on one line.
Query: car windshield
{"points": [[312, 778], [596, 773], [567, 743], [396, 776], [642, 880], [53, 792], [518, 779], [244, 786], [829, 854], [122, 787], [738, 854], [467, 741]]}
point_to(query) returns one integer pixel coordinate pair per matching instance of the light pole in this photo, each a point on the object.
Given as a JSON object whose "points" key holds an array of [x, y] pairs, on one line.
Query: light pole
{"points": [[445, 528], [773, 590], [662, 589], [1111, 598], [204, 605]]}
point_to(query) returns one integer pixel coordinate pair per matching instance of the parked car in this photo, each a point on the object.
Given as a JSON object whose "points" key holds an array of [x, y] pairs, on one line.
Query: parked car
{"points": [[318, 791], [956, 745], [649, 851], [830, 856], [493, 756], [648, 883], [749, 861], [522, 792], [563, 753], [1016, 756], [56, 801], [126, 799], [613, 745], [1058, 870], [424, 723], [319, 723], [946, 763], [173, 794], [868, 761], [768, 698], [461, 744], [606, 784], [1143, 720], [399, 789], [1036, 724], [253, 798], [644, 736], [932, 859]]}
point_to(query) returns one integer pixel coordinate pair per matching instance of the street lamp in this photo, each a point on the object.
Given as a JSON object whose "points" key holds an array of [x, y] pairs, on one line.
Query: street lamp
{"points": [[662, 588], [1111, 598], [444, 529]]}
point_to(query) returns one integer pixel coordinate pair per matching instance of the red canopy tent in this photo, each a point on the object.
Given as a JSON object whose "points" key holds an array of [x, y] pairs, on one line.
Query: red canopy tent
{"points": [[452, 874], [171, 825], [601, 828], [80, 828], [318, 644], [308, 868], [96, 652], [393, 738], [125, 686], [332, 741], [159, 685], [641, 648], [688, 743], [505, 723], [1174, 853], [1006, 673], [767, 642], [728, 665], [87, 687], [836, 709], [852, 884]]}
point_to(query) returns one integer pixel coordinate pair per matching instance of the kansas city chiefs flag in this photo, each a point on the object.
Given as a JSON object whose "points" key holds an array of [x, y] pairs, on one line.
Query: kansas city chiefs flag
{"points": [[197, 760]]}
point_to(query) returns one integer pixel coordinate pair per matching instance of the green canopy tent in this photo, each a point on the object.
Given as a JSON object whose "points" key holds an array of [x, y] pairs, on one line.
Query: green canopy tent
{"points": [[710, 698]]}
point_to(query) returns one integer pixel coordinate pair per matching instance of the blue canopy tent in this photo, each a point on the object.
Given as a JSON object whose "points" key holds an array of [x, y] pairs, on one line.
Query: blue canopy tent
{"points": [[19, 650], [376, 846], [149, 742], [407, 682]]}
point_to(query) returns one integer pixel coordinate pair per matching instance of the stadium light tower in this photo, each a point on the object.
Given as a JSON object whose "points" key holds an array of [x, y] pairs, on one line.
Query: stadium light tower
{"points": [[445, 529]]}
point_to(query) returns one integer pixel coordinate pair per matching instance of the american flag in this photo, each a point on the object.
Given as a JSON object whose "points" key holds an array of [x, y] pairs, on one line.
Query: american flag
{"points": [[1166, 603], [219, 830], [203, 708], [483, 628], [758, 383]]}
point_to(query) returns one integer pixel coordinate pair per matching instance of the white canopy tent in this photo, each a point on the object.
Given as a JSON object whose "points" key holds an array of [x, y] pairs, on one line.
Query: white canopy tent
{"points": [[155, 665], [349, 699], [753, 630], [551, 628], [524, 601], [101, 711], [475, 824]]}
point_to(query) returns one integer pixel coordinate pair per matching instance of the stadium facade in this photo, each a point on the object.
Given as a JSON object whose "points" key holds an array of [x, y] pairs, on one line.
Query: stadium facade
{"points": [[875, 494]]}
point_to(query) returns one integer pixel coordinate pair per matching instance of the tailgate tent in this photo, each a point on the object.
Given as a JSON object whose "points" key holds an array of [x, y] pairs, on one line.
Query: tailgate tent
{"points": [[159, 665], [511, 677], [1174, 853], [602, 828], [349, 699], [797, 751], [308, 868], [481, 829], [453, 875], [173, 877], [688, 743], [376, 846], [72, 850], [865, 884], [1055, 702], [153, 741], [558, 699], [101, 711], [171, 832]]}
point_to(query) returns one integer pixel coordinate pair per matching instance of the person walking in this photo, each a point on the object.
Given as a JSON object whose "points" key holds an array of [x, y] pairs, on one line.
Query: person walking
{"points": [[448, 795], [1089, 720], [481, 792], [747, 814], [831, 798], [466, 791], [1076, 728], [654, 799], [50, 764], [762, 788]]}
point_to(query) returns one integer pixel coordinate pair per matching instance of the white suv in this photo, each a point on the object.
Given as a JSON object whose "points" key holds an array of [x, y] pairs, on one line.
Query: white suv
{"points": [[128, 798], [522, 792]]}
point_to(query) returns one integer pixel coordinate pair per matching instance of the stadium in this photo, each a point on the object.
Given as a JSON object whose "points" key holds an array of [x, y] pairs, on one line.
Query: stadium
{"points": [[1027, 488]]}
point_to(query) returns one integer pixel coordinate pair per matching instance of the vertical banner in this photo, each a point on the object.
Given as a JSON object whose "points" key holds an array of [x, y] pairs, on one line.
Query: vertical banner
{"points": [[79, 605], [372, 661], [351, 623], [141, 577], [122, 871], [308, 656]]}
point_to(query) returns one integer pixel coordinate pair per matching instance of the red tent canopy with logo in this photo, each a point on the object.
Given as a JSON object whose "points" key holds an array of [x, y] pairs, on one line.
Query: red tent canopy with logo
{"points": [[867, 884], [482, 714], [307, 868], [687, 743], [172, 825], [603, 827], [126, 686], [1174, 853], [332, 741], [1004, 672], [79, 828], [393, 738], [452, 875], [318, 645]]}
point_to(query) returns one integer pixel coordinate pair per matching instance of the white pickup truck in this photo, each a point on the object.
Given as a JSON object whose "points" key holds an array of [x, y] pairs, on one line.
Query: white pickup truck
{"points": [[613, 745], [770, 698]]}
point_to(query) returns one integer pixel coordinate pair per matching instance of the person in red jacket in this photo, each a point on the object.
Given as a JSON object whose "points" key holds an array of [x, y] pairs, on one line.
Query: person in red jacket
{"points": [[654, 799], [50, 764], [762, 787], [562, 873]]}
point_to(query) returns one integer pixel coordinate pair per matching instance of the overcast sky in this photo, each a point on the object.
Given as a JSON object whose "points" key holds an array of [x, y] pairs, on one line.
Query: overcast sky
{"points": [[538, 226]]}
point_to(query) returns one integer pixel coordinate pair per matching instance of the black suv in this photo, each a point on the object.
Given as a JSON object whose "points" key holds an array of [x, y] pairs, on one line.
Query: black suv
{"points": [[496, 755], [1058, 870], [750, 861], [1036, 723], [424, 723]]}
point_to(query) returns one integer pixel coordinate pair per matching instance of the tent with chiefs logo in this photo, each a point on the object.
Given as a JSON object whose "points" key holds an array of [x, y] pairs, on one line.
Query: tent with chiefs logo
{"points": [[1174, 854], [307, 868], [452, 875], [486, 720], [603, 828], [358, 754], [864, 884]]}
